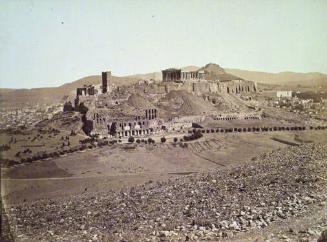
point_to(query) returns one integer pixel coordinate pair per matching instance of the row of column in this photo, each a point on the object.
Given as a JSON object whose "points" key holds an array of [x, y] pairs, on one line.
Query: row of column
{"points": [[238, 89], [191, 75], [151, 113], [171, 76], [234, 118], [128, 133]]}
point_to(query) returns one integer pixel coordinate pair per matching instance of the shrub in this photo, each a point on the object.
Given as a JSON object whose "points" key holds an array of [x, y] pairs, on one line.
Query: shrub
{"points": [[131, 139], [138, 141], [163, 139], [112, 142], [82, 147], [193, 136], [29, 159], [175, 139]]}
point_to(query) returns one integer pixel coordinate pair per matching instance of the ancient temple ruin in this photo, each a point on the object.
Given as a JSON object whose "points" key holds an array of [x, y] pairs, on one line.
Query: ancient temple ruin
{"points": [[86, 90], [178, 75], [200, 81]]}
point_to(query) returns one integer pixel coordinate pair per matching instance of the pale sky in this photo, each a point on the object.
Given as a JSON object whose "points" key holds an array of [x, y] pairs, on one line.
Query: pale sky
{"points": [[48, 43]]}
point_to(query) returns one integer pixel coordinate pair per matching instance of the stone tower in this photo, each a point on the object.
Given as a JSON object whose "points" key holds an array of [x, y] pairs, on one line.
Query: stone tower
{"points": [[105, 81]]}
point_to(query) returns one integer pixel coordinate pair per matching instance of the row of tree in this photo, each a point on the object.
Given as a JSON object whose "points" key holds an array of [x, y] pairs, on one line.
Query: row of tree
{"points": [[131, 139], [254, 129]]}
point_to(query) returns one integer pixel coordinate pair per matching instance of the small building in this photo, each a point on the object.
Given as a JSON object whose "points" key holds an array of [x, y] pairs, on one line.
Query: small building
{"points": [[284, 94]]}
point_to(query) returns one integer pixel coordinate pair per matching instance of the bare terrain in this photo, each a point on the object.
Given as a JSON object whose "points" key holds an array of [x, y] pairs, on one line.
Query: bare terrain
{"points": [[138, 173], [170, 196]]}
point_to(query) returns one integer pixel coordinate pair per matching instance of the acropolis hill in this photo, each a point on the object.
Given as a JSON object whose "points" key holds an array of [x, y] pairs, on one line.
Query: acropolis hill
{"points": [[181, 98]]}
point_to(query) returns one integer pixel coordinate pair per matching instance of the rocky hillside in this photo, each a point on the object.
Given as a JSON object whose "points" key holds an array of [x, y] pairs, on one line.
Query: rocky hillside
{"points": [[184, 103], [277, 197]]}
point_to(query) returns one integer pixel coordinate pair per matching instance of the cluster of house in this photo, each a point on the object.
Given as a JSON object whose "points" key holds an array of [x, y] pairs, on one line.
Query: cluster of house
{"points": [[27, 116]]}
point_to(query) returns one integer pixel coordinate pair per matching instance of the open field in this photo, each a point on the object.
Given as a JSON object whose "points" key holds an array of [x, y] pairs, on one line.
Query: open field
{"points": [[278, 194], [115, 167]]}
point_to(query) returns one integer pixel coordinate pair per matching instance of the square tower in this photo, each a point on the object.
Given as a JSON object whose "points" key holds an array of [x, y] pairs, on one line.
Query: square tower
{"points": [[105, 81]]}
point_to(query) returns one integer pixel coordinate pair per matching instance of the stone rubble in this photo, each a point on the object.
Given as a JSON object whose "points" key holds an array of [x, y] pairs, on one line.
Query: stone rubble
{"points": [[277, 186]]}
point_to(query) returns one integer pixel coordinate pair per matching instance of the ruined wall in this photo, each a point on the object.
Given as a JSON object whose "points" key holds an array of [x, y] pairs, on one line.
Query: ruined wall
{"points": [[125, 126], [155, 88], [213, 87], [202, 87], [178, 86], [237, 86]]}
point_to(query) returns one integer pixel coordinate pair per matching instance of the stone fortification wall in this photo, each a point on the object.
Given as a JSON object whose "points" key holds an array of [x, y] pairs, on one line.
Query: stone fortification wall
{"points": [[237, 86], [199, 87]]}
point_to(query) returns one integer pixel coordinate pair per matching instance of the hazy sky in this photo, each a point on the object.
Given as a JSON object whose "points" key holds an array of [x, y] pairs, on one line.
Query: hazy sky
{"points": [[48, 43]]}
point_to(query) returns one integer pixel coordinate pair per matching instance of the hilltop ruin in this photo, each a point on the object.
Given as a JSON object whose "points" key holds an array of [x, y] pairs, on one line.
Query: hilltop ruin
{"points": [[183, 97]]}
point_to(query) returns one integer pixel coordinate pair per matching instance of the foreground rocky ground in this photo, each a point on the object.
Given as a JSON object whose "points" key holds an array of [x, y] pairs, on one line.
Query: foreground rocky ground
{"points": [[280, 196]]}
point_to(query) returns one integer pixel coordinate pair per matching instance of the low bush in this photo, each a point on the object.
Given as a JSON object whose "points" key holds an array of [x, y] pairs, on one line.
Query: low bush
{"points": [[193, 136]]}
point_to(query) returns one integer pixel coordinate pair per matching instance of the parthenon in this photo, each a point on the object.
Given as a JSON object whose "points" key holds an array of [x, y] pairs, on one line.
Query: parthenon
{"points": [[177, 75]]}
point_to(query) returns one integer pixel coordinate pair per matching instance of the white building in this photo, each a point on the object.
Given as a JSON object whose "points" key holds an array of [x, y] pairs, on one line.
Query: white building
{"points": [[284, 94]]}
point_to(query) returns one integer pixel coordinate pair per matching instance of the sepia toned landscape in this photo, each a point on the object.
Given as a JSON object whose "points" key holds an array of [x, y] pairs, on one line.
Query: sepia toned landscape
{"points": [[181, 152], [199, 158]]}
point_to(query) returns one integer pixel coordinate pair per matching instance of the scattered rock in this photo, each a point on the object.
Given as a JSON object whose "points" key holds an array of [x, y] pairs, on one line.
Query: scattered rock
{"points": [[323, 236], [195, 207]]}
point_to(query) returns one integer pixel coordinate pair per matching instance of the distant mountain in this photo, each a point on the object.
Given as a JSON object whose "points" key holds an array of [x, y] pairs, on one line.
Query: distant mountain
{"points": [[147, 76], [49, 95], [282, 78]]}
